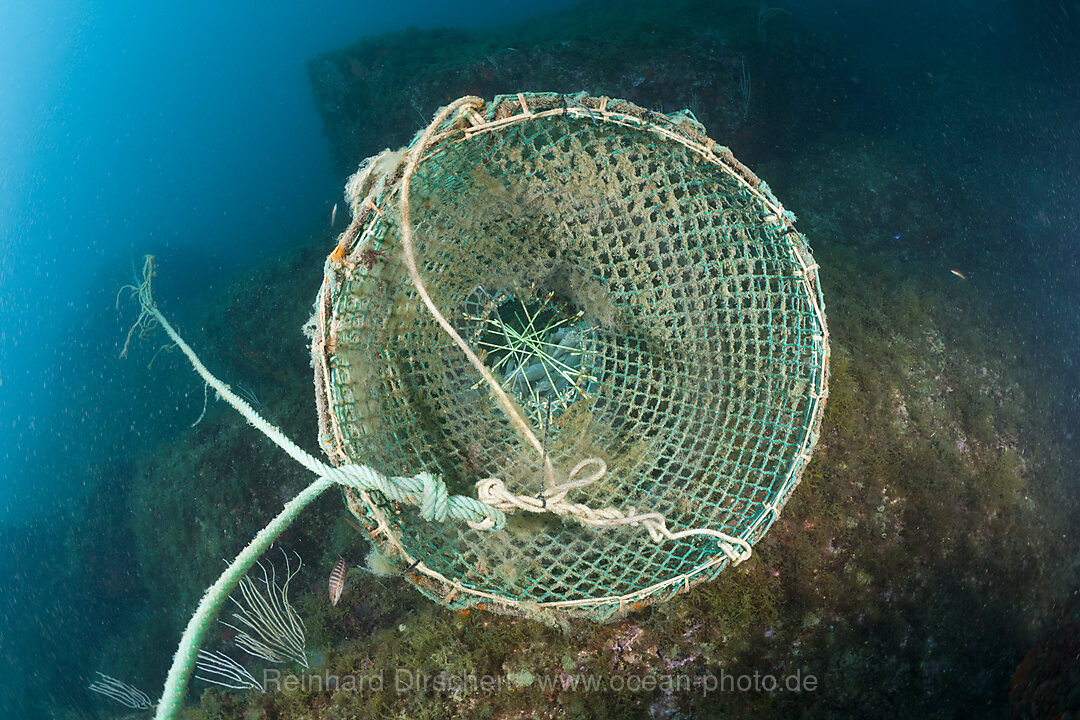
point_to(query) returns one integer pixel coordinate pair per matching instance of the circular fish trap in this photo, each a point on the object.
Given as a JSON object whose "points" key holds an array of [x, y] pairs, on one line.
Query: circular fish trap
{"points": [[641, 301]]}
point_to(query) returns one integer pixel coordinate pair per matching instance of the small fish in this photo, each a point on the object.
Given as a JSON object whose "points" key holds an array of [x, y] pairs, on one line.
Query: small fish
{"points": [[337, 581], [959, 274], [333, 216]]}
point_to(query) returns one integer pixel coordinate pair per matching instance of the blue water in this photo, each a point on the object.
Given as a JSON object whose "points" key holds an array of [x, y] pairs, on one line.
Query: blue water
{"points": [[186, 130], [189, 131]]}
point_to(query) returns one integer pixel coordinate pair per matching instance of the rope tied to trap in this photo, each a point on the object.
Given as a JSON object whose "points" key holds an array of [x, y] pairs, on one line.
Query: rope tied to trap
{"points": [[423, 489], [485, 512], [493, 492], [629, 293], [647, 328]]}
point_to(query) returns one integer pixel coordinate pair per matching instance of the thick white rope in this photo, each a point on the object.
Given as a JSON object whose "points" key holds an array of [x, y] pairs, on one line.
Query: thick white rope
{"points": [[423, 489]]}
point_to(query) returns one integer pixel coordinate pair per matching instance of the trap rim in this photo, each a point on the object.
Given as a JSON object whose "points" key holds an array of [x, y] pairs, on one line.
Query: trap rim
{"points": [[375, 190]]}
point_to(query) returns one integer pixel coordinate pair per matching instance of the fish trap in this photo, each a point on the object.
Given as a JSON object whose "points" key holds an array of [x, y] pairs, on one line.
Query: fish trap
{"points": [[588, 315]]}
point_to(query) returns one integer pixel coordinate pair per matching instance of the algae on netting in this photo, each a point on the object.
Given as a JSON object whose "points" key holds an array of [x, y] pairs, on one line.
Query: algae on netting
{"points": [[600, 301]]}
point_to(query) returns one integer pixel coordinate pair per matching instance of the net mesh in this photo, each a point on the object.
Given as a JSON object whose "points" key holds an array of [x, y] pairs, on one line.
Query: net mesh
{"points": [[640, 295]]}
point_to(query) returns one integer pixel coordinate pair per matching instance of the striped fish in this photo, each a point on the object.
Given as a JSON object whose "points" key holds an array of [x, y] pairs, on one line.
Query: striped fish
{"points": [[337, 581]]}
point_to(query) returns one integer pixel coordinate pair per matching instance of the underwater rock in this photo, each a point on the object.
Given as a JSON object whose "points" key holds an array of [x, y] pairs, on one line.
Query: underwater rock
{"points": [[1046, 683], [720, 64]]}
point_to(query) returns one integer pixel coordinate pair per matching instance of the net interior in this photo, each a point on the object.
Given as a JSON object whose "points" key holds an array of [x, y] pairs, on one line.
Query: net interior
{"points": [[644, 300]]}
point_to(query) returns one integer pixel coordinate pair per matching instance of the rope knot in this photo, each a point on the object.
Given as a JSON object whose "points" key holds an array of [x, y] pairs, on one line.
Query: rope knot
{"points": [[435, 500], [492, 491]]}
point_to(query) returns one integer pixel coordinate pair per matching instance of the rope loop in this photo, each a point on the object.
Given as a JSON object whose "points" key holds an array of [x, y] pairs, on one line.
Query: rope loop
{"points": [[493, 493]]}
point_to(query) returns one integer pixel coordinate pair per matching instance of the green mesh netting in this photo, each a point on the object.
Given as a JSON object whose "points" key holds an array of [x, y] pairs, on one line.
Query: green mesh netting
{"points": [[643, 299]]}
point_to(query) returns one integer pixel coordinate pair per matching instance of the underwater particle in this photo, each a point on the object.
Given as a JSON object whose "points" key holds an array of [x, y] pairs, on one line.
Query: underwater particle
{"points": [[959, 274]]}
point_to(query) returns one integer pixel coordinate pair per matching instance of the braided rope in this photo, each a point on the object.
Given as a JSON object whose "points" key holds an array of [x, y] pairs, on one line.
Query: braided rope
{"points": [[416, 154], [424, 489]]}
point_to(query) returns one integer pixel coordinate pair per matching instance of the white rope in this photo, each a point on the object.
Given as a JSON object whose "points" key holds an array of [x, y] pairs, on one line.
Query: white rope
{"points": [[413, 161], [485, 512], [424, 489], [493, 492]]}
